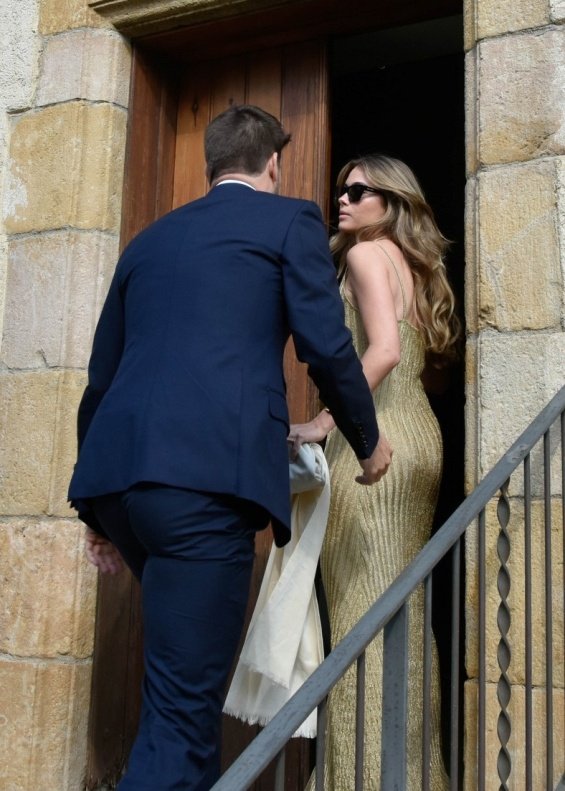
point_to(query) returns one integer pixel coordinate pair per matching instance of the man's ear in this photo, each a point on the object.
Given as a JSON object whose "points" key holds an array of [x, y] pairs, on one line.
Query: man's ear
{"points": [[273, 166]]}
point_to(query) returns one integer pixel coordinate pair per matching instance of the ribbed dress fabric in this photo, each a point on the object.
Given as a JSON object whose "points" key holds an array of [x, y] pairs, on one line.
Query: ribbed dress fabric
{"points": [[372, 534]]}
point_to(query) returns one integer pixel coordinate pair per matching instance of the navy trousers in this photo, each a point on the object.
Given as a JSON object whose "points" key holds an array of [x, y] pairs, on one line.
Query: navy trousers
{"points": [[193, 553]]}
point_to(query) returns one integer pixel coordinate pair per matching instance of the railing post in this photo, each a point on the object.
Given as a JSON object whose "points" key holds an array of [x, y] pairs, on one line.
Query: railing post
{"points": [[481, 758], [504, 727], [455, 691], [548, 610], [528, 619], [395, 702]]}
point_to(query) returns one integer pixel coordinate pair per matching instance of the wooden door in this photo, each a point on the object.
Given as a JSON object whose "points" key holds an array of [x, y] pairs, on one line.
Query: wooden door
{"points": [[165, 168]]}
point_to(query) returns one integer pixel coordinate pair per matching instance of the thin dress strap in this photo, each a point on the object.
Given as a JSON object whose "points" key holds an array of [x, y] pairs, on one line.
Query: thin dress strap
{"points": [[399, 279]]}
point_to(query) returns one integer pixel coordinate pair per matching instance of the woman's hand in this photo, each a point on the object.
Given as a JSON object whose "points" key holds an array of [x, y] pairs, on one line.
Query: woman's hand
{"points": [[314, 431], [102, 553]]}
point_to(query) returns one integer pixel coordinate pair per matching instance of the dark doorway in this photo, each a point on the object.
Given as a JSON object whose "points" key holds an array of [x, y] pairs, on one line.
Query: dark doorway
{"points": [[400, 91]]}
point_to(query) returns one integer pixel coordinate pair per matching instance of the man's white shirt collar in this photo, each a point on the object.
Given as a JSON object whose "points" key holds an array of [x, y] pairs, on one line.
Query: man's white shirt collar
{"points": [[236, 181]]}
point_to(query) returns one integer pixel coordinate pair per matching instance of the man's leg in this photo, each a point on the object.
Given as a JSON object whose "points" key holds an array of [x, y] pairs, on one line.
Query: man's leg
{"points": [[195, 587]]}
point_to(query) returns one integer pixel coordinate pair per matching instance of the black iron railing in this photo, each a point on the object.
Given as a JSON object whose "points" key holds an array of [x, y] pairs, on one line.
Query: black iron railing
{"points": [[510, 761]]}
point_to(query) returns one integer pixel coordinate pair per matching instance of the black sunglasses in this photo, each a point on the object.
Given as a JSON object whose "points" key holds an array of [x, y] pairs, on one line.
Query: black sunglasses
{"points": [[354, 191]]}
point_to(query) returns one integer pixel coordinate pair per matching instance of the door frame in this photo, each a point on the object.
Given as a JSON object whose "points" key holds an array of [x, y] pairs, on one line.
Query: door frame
{"points": [[147, 194]]}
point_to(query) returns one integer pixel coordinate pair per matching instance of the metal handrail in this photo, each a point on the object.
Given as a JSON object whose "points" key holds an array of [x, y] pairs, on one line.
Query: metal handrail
{"points": [[268, 744]]}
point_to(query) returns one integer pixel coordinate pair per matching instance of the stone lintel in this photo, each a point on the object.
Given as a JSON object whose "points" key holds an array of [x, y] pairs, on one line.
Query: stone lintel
{"points": [[142, 17]]}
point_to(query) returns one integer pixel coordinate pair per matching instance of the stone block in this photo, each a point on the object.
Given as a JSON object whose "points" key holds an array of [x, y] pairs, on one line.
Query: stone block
{"points": [[71, 389], [520, 278], [48, 589], [85, 64], [471, 415], [56, 285], [557, 10], [472, 231], [521, 83], [59, 15], [469, 24], [37, 425], [471, 112], [66, 168], [515, 597], [560, 170], [517, 740], [496, 17], [20, 53], [518, 373], [142, 17], [43, 716]]}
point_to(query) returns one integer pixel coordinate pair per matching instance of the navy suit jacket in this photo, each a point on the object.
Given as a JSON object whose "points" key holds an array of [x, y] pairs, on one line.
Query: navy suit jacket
{"points": [[186, 384]]}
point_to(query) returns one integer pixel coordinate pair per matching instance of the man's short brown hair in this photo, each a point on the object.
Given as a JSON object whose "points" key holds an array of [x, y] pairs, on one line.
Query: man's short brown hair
{"points": [[241, 140]]}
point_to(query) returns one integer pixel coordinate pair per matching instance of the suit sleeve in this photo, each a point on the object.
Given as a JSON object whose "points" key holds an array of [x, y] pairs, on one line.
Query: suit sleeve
{"points": [[316, 320], [105, 358]]}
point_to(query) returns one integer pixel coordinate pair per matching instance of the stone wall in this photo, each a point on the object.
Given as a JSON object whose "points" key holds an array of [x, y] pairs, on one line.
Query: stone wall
{"points": [[515, 309], [64, 89]]}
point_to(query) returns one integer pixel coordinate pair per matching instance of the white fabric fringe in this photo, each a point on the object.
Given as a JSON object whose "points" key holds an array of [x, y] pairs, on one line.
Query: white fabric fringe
{"points": [[284, 645]]}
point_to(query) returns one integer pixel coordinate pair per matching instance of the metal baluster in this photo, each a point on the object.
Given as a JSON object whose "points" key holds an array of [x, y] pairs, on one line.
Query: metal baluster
{"points": [[528, 616], [455, 637], [503, 689], [280, 770], [427, 685], [360, 723], [548, 610], [481, 764], [563, 522], [395, 694], [321, 744]]}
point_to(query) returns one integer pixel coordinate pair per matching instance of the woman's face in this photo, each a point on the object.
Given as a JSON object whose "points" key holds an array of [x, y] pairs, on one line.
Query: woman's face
{"points": [[353, 216]]}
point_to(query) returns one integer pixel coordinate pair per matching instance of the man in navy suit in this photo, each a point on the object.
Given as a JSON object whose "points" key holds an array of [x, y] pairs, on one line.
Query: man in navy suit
{"points": [[183, 425]]}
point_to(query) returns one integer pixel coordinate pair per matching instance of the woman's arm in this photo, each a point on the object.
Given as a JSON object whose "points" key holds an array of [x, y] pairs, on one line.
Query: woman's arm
{"points": [[315, 430], [372, 292]]}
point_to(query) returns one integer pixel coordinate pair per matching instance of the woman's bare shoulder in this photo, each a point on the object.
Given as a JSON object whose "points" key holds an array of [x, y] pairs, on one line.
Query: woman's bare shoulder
{"points": [[388, 249]]}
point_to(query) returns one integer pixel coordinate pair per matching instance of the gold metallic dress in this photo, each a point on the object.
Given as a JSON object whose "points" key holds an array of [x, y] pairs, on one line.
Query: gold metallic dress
{"points": [[373, 533]]}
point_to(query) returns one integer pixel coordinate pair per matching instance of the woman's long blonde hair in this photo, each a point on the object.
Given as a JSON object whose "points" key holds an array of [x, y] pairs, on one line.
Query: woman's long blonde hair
{"points": [[409, 222]]}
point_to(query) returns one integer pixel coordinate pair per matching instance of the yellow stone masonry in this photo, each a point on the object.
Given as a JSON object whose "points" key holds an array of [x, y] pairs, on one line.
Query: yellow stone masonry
{"points": [[43, 715], [37, 436], [66, 168], [45, 558], [519, 248], [488, 18], [60, 15]]}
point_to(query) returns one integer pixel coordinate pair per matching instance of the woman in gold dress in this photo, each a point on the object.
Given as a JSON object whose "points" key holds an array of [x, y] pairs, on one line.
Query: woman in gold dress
{"points": [[400, 310]]}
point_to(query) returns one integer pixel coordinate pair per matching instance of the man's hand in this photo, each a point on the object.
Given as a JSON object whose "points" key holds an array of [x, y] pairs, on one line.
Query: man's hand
{"points": [[102, 553], [376, 465]]}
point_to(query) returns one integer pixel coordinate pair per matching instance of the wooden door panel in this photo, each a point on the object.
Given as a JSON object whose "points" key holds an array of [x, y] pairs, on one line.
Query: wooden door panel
{"points": [[193, 117], [228, 83], [264, 81], [304, 112], [306, 172]]}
